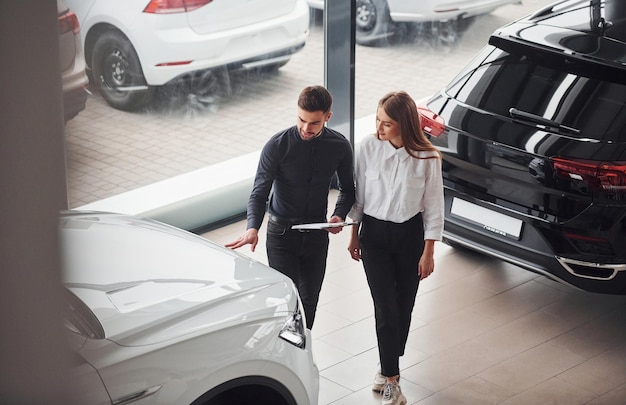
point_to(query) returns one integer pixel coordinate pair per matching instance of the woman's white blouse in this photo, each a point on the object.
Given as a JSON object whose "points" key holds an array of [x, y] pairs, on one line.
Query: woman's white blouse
{"points": [[391, 185]]}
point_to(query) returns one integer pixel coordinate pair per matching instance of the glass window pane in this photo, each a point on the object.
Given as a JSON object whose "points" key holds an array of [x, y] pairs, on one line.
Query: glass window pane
{"points": [[224, 114]]}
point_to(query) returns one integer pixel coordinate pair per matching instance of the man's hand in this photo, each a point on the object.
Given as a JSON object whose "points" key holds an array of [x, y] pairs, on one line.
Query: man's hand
{"points": [[337, 229], [250, 237]]}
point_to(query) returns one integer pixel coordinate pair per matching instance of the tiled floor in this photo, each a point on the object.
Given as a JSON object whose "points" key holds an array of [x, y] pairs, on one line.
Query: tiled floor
{"points": [[483, 332]]}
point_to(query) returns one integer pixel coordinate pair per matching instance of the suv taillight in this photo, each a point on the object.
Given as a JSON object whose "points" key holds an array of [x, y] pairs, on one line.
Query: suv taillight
{"points": [[598, 176], [69, 22], [432, 123], [174, 6]]}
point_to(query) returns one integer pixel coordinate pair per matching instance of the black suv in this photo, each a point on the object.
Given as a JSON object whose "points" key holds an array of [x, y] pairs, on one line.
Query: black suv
{"points": [[533, 134]]}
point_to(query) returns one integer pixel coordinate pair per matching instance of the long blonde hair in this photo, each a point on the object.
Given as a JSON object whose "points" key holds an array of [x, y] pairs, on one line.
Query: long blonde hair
{"points": [[400, 107]]}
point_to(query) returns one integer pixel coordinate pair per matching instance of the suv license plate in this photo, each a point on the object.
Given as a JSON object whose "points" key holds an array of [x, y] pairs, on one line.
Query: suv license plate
{"points": [[487, 219]]}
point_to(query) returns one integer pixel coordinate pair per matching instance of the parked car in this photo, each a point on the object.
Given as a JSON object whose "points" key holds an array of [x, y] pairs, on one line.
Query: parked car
{"points": [[74, 78], [377, 20], [133, 46], [161, 315], [533, 135]]}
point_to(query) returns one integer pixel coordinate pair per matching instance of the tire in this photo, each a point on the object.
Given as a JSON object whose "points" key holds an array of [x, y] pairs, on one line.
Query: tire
{"points": [[117, 72], [373, 23]]}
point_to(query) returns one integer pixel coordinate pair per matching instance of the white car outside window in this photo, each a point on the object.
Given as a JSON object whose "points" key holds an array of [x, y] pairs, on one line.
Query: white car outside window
{"points": [[132, 46], [375, 18]]}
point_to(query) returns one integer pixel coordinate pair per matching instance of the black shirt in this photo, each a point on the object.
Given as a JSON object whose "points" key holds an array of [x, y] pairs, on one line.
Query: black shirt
{"points": [[301, 173]]}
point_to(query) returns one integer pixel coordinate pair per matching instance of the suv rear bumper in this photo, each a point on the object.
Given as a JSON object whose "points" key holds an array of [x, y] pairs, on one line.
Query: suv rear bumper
{"points": [[533, 253]]}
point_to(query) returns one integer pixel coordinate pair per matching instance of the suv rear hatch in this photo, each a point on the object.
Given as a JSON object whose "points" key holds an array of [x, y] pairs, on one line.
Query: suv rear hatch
{"points": [[535, 121]]}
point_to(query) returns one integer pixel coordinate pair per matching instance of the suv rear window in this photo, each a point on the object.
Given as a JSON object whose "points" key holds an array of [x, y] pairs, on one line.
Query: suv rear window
{"points": [[578, 94]]}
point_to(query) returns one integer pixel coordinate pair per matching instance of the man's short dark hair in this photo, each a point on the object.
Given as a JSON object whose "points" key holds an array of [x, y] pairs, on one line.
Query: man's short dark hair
{"points": [[315, 98]]}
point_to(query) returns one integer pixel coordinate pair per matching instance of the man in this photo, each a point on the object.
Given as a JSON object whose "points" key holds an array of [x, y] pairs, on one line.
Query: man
{"points": [[298, 165]]}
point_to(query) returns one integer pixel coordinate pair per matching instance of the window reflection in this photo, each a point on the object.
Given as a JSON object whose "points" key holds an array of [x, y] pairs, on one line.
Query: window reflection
{"points": [[225, 114]]}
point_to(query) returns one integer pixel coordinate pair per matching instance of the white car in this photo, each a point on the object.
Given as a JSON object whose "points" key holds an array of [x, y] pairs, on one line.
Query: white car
{"points": [[161, 315], [375, 18], [132, 46]]}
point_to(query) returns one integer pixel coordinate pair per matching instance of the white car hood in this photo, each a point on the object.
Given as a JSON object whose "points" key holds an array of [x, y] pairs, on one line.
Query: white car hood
{"points": [[147, 282]]}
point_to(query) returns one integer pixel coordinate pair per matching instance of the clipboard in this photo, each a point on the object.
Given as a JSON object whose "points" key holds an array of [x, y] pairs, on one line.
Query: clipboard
{"points": [[322, 225]]}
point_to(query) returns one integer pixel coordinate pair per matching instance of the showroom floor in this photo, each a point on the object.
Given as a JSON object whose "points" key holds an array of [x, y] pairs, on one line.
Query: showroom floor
{"points": [[483, 332]]}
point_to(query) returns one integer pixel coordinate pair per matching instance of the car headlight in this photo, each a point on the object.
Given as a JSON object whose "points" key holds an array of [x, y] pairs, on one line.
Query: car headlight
{"points": [[294, 330]]}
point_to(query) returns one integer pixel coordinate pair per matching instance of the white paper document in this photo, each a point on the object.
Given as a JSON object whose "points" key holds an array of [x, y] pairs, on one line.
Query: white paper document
{"points": [[322, 225]]}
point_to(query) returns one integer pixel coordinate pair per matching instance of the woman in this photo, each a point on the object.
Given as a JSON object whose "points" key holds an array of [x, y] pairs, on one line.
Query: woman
{"points": [[399, 204]]}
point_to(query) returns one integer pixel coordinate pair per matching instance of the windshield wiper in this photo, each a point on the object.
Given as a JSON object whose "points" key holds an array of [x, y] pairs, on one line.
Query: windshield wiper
{"points": [[536, 119]]}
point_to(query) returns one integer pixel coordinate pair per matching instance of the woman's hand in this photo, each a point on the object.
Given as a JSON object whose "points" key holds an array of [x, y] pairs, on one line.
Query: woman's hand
{"points": [[426, 265], [354, 248]]}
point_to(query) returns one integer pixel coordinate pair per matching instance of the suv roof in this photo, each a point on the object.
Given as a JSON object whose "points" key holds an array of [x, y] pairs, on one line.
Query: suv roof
{"points": [[589, 30]]}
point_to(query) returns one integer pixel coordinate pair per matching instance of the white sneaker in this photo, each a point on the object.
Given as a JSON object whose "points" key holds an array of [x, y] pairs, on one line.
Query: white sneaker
{"points": [[392, 395], [379, 382]]}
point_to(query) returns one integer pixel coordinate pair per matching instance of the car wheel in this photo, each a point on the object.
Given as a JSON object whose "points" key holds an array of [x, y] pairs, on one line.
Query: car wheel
{"points": [[117, 72], [373, 23]]}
